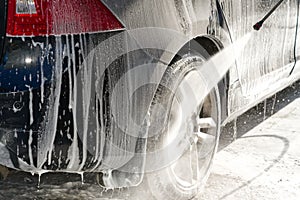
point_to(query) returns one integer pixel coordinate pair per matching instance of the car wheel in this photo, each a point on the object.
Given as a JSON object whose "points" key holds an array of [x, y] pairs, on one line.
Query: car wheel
{"points": [[184, 132]]}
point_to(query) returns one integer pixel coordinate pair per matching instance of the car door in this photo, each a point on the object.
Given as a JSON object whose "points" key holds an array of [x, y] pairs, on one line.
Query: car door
{"points": [[2, 26], [296, 15], [268, 53]]}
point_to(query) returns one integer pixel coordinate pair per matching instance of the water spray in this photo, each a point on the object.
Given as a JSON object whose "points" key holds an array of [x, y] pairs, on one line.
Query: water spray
{"points": [[259, 24]]}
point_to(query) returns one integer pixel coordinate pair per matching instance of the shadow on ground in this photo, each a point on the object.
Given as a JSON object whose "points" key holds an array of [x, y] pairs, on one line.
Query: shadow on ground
{"points": [[256, 115]]}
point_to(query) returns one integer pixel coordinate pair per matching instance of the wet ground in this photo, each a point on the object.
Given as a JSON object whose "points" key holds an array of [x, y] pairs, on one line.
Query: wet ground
{"points": [[257, 159], [264, 160]]}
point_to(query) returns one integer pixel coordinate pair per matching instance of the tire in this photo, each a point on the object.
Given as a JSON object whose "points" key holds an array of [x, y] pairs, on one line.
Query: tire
{"points": [[175, 174]]}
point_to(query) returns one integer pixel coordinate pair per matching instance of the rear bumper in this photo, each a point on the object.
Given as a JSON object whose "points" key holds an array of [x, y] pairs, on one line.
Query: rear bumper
{"points": [[21, 123], [39, 120], [36, 119]]}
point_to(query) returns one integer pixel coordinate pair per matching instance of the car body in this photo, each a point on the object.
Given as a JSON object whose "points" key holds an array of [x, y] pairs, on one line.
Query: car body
{"points": [[61, 60]]}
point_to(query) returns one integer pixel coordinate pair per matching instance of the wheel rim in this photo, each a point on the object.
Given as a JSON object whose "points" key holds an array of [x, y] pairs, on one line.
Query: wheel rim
{"points": [[195, 120]]}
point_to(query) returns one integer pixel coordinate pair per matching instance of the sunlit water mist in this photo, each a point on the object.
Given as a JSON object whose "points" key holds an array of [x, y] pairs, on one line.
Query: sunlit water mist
{"points": [[213, 71], [189, 95]]}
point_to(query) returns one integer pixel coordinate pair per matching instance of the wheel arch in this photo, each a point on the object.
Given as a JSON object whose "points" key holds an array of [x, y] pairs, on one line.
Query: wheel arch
{"points": [[213, 46], [210, 46]]}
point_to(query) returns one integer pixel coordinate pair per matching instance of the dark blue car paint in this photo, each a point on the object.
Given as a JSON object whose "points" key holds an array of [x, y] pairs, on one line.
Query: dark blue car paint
{"points": [[16, 75]]}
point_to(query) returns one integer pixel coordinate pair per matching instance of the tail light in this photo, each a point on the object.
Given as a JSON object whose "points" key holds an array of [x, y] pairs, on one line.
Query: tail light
{"points": [[49, 17]]}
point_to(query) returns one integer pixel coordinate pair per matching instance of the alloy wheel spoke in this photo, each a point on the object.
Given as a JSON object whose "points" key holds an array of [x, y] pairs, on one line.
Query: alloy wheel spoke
{"points": [[201, 136], [208, 122], [194, 163]]}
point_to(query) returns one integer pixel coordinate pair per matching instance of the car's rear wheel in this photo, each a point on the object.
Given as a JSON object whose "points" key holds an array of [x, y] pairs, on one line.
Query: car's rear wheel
{"points": [[184, 132]]}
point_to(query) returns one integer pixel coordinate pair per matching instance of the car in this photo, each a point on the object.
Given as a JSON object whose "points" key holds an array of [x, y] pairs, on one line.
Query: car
{"points": [[136, 91]]}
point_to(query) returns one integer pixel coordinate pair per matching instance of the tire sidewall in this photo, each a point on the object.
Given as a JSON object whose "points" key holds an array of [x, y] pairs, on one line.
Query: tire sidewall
{"points": [[159, 181]]}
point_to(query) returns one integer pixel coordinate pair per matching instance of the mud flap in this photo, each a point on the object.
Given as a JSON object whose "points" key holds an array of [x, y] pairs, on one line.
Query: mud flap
{"points": [[5, 159], [132, 173]]}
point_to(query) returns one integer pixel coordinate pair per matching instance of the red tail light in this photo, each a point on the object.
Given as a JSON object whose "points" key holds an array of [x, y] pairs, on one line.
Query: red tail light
{"points": [[49, 17]]}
